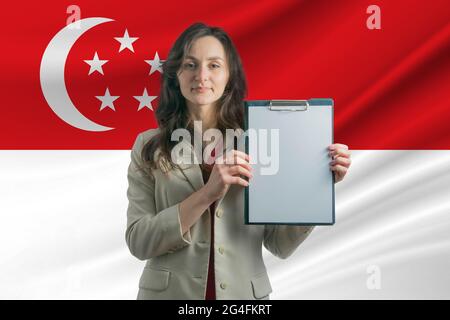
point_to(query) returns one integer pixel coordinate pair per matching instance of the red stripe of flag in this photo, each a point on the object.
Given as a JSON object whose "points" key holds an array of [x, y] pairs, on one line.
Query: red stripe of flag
{"points": [[390, 86]]}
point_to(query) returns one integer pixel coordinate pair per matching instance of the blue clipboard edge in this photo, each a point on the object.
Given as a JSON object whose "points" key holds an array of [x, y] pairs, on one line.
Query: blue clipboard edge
{"points": [[265, 103]]}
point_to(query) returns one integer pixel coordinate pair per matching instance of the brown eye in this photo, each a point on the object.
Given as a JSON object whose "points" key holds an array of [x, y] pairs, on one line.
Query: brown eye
{"points": [[189, 65]]}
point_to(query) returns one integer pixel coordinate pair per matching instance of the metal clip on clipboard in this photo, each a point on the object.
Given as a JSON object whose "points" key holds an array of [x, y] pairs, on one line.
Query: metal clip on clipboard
{"points": [[288, 105]]}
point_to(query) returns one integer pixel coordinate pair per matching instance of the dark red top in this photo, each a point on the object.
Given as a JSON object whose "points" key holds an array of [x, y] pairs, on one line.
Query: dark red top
{"points": [[210, 283]]}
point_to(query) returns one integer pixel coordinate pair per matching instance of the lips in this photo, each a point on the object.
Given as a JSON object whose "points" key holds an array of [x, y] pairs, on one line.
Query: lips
{"points": [[200, 89]]}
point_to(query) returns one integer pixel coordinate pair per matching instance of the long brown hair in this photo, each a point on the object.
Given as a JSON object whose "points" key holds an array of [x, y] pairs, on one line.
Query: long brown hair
{"points": [[172, 112]]}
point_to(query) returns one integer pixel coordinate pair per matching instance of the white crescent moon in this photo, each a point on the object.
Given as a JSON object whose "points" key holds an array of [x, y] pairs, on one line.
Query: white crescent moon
{"points": [[52, 74]]}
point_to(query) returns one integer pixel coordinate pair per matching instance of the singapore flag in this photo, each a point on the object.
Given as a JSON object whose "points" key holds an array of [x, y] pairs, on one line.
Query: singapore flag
{"points": [[80, 82]]}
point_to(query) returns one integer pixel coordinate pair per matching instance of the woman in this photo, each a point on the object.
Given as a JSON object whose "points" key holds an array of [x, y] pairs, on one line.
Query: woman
{"points": [[187, 221]]}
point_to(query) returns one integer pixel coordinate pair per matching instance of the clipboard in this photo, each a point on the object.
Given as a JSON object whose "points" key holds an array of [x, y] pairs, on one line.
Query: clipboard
{"points": [[301, 192]]}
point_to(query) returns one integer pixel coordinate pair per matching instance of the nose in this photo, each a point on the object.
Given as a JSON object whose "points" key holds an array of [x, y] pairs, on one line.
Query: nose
{"points": [[202, 74]]}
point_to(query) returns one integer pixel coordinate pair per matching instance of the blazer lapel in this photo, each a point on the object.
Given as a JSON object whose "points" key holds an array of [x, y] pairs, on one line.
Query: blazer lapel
{"points": [[190, 171], [194, 176]]}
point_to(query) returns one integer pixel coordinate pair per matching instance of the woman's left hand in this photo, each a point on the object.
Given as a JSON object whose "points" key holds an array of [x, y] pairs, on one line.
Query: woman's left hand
{"points": [[341, 161]]}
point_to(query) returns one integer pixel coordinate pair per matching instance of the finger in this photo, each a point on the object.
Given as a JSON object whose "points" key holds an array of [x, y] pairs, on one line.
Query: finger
{"points": [[240, 154], [341, 170], [341, 161], [237, 180], [241, 171], [340, 152], [335, 146], [344, 153], [247, 166], [244, 164], [235, 159]]}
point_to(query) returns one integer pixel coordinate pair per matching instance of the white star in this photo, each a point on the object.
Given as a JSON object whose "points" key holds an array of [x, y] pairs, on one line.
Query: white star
{"points": [[145, 100], [156, 64], [107, 100], [96, 64], [126, 41]]}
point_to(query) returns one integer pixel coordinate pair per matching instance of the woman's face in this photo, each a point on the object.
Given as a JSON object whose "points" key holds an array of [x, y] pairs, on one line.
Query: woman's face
{"points": [[203, 74]]}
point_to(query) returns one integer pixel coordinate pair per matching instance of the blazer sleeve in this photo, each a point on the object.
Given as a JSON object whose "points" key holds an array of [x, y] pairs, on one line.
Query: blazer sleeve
{"points": [[282, 240], [149, 233]]}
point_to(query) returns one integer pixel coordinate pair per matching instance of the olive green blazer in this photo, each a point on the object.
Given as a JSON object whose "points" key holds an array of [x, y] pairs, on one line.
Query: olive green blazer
{"points": [[177, 264]]}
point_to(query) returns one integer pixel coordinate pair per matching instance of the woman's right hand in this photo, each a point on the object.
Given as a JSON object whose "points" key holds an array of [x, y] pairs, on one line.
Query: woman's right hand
{"points": [[227, 171]]}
